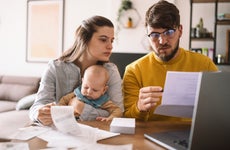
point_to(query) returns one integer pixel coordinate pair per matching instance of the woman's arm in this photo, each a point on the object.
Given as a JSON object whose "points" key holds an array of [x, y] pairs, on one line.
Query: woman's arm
{"points": [[57, 80], [115, 85], [44, 96]]}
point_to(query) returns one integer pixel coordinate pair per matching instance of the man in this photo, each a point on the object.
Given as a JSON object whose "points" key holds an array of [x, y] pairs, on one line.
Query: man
{"points": [[144, 79]]}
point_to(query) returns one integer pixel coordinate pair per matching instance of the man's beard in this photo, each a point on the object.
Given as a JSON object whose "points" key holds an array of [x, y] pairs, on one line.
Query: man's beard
{"points": [[166, 58]]}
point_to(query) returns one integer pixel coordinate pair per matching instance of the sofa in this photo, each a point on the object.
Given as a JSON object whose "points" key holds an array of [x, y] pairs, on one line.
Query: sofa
{"points": [[17, 94]]}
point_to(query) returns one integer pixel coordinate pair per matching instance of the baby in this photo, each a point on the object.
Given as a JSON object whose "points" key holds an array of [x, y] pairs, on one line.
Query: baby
{"points": [[93, 92]]}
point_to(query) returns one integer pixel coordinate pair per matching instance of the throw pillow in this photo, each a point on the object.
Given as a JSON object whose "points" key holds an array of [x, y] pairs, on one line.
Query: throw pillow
{"points": [[25, 102]]}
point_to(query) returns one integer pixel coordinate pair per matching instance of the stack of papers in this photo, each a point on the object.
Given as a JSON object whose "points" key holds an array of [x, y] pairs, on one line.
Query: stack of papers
{"points": [[14, 146], [123, 125], [67, 133]]}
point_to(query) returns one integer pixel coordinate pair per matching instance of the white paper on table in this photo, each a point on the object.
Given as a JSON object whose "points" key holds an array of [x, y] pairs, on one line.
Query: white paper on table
{"points": [[54, 148], [106, 147], [56, 138], [64, 120], [99, 134], [14, 146], [180, 91], [69, 133], [29, 132]]}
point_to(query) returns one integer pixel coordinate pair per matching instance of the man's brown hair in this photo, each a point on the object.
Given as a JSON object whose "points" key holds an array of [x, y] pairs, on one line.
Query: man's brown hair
{"points": [[162, 15]]}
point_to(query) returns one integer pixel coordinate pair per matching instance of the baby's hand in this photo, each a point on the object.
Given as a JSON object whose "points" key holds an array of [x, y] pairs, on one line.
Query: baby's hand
{"points": [[77, 105], [102, 119]]}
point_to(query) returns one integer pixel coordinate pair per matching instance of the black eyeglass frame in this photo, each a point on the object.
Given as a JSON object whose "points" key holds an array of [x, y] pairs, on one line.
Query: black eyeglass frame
{"points": [[167, 32]]}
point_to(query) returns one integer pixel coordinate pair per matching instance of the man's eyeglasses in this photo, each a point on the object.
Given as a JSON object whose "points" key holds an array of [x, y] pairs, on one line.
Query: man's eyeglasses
{"points": [[168, 33]]}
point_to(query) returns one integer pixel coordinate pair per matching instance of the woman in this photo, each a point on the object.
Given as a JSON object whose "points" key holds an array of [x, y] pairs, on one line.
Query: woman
{"points": [[93, 45]]}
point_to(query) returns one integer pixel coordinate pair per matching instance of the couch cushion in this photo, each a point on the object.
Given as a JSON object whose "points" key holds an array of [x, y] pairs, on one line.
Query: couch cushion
{"points": [[26, 102], [13, 88], [7, 106], [11, 121]]}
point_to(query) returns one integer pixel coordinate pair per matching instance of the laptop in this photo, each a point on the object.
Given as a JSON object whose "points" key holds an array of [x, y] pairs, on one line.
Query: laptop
{"points": [[210, 128]]}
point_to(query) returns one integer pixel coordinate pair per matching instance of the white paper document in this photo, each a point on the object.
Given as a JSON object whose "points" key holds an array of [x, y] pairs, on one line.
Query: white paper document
{"points": [[14, 146], [29, 132], [59, 139], [180, 91], [66, 131], [77, 134], [64, 120], [96, 147], [106, 147]]}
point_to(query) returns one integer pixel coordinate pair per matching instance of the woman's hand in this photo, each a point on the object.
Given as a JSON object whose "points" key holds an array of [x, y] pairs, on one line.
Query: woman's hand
{"points": [[44, 114], [148, 97]]}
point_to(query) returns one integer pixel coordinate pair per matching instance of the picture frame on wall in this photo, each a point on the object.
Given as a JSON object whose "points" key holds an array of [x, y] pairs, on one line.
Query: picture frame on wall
{"points": [[44, 30]]}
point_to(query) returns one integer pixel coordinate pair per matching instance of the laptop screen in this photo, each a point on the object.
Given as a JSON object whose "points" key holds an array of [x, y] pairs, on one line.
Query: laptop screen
{"points": [[211, 121]]}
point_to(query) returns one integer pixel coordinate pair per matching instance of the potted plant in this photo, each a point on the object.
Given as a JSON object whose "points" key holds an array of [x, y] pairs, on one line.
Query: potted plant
{"points": [[125, 5]]}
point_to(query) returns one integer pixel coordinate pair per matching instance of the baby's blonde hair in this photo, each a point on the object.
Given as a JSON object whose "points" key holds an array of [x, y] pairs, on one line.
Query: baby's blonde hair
{"points": [[98, 71]]}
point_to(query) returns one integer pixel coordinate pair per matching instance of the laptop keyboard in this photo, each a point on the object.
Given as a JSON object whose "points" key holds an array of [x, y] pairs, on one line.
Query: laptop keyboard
{"points": [[183, 143], [178, 140]]}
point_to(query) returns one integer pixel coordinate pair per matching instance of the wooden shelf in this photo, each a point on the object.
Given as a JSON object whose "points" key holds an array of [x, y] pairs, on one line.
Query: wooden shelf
{"points": [[202, 39], [223, 64], [218, 22], [223, 22]]}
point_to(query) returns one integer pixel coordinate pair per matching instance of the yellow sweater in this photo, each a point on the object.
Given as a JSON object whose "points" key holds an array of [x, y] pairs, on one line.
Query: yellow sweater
{"points": [[150, 71]]}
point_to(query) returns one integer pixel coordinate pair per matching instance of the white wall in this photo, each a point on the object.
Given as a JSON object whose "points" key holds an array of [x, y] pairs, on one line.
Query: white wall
{"points": [[78, 10], [13, 30], [13, 40], [184, 7], [127, 40]]}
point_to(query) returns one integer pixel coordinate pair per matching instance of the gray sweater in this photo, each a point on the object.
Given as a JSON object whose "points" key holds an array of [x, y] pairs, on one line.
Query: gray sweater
{"points": [[61, 78]]}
